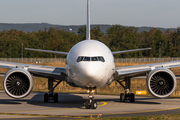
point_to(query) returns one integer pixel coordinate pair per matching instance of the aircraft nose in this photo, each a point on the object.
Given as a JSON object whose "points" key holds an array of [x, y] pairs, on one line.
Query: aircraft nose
{"points": [[92, 72]]}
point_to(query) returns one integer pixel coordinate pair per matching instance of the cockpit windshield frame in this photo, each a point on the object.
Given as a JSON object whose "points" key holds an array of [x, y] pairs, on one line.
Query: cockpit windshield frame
{"points": [[88, 59]]}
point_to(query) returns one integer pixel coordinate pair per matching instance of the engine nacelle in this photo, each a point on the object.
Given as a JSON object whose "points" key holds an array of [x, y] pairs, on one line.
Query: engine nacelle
{"points": [[18, 83], [161, 82]]}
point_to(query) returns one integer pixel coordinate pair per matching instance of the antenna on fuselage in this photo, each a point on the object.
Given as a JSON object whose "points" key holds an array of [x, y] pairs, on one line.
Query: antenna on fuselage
{"points": [[88, 21]]}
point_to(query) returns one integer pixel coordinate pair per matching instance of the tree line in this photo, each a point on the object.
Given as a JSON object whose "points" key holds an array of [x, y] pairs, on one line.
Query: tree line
{"points": [[117, 38]]}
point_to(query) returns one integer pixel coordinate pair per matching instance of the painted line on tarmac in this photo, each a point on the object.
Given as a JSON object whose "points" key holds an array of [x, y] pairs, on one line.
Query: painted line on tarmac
{"points": [[42, 110], [104, 103], [138, 112], [163, 102], [85, 116], [13, 117], [41, 115]]}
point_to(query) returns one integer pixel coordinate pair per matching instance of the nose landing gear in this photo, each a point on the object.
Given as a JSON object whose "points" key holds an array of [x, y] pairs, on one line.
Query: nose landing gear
{"points": [[91, 103]]}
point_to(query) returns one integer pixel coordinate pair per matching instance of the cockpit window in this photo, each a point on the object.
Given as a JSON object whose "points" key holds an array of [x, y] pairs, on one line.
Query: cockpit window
{"points": [[101, 59], [86, 59], [94, 59], [80, 59], [83, 58]]}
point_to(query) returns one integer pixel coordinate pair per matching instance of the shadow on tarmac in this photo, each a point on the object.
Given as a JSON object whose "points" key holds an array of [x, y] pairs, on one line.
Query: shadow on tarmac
{"points": [[11, 101], [65, 100], [137, 101]]}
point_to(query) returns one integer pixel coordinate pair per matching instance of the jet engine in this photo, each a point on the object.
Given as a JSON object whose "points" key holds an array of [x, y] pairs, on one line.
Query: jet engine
{"points": [[161, 82], [18, 83]]}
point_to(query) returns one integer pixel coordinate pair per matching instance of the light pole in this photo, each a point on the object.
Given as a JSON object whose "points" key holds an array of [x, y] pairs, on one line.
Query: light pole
{"points": [[22, 53]]}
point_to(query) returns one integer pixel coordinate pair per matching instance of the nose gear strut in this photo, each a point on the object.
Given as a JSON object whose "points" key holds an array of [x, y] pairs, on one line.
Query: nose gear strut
{"points": [[91, 103]]}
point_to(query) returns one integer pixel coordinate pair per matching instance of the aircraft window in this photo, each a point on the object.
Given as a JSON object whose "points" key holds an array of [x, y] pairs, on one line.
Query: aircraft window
{"points": [[101, 59], [80, 59], [94, 59], [86, 59]]}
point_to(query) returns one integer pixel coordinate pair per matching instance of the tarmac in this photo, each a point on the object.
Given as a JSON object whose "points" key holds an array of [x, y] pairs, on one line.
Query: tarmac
{"points": [[71, 106]]}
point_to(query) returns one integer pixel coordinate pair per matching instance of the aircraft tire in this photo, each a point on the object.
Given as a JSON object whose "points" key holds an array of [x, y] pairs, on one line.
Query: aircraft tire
{"points": [[87, 104], [55, 97], [122, 97], [132, 97], [46, 98], [93, 104]]}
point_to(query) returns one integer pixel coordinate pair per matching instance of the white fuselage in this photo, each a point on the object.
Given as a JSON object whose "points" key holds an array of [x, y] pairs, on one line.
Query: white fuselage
{"points": [[90, 64]]}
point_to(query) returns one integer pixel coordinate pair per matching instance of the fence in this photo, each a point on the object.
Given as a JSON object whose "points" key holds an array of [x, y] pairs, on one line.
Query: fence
{"points": [[33, 60], [118, 60]]}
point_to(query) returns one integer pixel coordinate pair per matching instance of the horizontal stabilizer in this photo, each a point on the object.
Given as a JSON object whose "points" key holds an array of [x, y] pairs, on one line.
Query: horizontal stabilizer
{"points": [[127, 51], [48, 51]]}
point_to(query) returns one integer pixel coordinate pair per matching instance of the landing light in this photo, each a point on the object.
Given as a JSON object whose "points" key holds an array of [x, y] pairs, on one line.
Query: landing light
{"points": [[88, 91], [92, 91]]}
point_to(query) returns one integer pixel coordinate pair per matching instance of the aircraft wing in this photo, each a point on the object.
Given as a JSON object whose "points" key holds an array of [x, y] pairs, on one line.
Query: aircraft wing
{"points": [[38, 70], [141, 70], [48, 51], [127, 51]]}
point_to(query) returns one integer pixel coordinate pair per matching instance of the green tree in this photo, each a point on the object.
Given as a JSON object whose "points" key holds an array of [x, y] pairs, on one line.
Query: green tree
{"points": [[96, 33]]}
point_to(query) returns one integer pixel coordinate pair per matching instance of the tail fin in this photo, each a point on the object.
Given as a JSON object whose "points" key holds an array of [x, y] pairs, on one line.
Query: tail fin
{"points": [[88, 36]]}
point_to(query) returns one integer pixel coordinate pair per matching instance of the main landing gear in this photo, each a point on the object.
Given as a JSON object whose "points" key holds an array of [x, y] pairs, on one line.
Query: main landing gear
{"points": [[91, 103], [51, 95], [127, 95]]}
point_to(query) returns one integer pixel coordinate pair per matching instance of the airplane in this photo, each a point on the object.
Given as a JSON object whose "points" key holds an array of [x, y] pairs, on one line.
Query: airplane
{"points": [[89, 65]]}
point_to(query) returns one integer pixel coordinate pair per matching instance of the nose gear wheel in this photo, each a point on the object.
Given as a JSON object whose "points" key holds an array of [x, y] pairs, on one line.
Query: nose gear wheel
{"points": [[91, 103]]}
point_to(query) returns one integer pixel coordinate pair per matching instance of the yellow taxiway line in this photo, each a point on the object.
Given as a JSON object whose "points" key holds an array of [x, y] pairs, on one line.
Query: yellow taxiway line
{"points": [[42, 115], [80, 116], [142, 111]]}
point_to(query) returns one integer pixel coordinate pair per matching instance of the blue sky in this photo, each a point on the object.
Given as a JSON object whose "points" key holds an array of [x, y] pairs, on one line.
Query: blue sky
{"points": [[154, 13]]}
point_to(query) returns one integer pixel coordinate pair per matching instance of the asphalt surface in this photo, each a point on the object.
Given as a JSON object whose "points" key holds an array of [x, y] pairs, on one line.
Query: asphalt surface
{"points": [[71, 106]]}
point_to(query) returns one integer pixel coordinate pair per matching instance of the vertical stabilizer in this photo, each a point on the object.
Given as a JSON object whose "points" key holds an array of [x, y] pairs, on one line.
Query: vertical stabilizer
{"points": [[88, 21]]}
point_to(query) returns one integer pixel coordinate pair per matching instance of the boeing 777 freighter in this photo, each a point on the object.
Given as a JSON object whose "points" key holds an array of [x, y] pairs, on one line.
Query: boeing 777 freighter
{"points": [[90, 65]]}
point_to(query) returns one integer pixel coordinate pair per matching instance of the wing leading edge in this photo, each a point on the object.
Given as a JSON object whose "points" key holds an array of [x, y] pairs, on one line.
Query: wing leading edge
{"points": [[138, 70], [48, 51], [38, 70], [127, 51], [66, 53]]}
